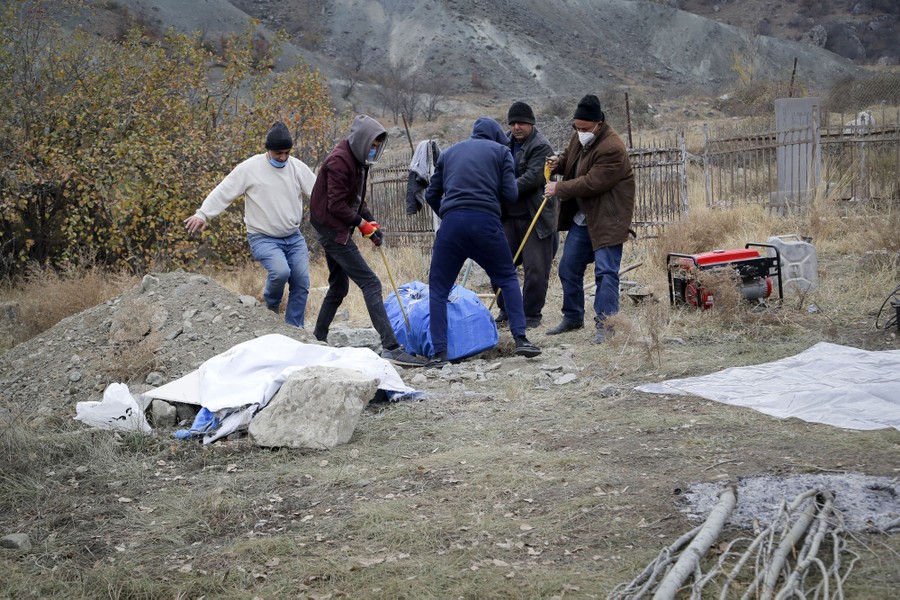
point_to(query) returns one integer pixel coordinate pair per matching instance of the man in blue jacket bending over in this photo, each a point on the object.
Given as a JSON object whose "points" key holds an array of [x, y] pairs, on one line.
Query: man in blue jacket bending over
{"points": [[470, 181]]}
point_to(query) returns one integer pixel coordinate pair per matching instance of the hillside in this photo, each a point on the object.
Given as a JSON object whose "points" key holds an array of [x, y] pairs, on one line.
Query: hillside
{"points": [[865, 31], [508, 48]]}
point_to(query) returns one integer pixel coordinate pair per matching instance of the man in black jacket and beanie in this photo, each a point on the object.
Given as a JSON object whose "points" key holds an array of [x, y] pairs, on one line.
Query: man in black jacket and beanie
{"points": [[530, 150]]}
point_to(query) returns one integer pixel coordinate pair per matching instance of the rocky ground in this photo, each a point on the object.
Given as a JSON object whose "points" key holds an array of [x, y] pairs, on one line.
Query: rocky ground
{"points": [[605, 469]]}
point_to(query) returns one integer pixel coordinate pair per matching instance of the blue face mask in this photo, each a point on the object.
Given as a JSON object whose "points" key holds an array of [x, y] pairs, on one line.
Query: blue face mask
{"points": [[277, 163], [371, 156]]}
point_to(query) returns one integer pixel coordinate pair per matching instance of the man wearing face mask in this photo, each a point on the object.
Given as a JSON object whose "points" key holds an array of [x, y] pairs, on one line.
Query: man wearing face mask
{"points": [[272, 184], [596, 197], [337, 207]]}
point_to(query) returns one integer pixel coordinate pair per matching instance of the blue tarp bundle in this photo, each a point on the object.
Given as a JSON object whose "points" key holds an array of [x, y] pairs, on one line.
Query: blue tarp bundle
{"points": [[470, 326]]}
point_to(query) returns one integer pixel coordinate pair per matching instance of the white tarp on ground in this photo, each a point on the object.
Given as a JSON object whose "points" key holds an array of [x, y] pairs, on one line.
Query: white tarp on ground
{"points": [[828, 383], [252, 372]]}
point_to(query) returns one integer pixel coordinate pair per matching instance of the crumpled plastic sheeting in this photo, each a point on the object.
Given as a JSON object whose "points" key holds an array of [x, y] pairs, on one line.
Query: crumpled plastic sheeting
{"points": [[234, 385], [118, 411], [253, 371], [828, 383]]}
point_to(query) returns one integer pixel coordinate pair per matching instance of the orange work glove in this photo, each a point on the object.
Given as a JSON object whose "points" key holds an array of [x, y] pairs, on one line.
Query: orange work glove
{"points": [[371, 230]]}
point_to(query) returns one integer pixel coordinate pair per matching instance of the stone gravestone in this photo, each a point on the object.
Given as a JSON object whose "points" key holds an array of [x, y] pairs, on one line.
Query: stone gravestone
{"points": [[797, 153]]}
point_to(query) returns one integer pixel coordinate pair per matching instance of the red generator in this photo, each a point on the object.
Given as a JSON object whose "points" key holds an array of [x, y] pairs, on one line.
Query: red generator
{"points": [[755, 268]]}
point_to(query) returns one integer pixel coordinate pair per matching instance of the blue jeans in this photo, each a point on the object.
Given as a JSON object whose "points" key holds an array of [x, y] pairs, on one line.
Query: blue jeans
{"points": [[477, 235], [287, 261], [578, 253]]}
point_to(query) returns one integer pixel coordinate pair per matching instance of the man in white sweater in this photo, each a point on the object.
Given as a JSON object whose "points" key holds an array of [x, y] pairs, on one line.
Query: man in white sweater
{"points": [[272, 184]]}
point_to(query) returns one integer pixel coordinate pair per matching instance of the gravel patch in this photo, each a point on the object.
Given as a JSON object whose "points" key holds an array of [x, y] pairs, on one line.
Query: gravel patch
{"points": [[867, 503]]}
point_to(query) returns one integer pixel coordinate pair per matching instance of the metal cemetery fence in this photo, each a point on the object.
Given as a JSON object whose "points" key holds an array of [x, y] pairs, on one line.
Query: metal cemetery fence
{"points": [[660, 177], [862, 161], [661, 181], [386, 196], [857, 160]]}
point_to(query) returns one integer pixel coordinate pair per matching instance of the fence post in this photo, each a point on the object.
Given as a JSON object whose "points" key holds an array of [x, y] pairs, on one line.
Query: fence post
{"points": [[863, 179], [628, 120], [706, 164], [684, 194]]}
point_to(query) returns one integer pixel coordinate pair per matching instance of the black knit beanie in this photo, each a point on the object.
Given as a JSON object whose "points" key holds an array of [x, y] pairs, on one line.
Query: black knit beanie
{"points": [[589, 109], [279, 138], [520, 112]]}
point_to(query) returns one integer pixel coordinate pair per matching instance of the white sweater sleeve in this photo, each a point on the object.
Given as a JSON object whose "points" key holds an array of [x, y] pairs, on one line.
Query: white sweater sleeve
{"points": [[230, 189], [307, 178]]}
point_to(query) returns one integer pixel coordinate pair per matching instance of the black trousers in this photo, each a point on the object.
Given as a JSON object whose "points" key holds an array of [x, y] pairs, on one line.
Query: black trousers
{"points": [[346, 263], [536, 260]]}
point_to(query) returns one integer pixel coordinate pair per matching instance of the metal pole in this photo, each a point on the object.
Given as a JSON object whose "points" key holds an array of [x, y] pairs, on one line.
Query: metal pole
{"points": [[467, 272], [628, 119], [408, 137], [394, 285]]}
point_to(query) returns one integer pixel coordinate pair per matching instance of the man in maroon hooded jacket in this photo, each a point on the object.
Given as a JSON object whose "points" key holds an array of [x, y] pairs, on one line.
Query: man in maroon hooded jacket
{"points": [[337, 207]]}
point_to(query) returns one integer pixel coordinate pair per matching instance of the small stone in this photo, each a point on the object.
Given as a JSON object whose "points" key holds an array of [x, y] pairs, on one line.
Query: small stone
{"points": [[74, 376], [162, 413], [155, 378], [149, 283], [567, 378], [16, 541], [608, 390]]}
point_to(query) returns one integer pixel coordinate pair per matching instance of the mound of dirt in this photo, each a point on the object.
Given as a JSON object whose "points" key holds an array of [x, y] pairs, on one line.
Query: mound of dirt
{"points": [[154, 333]]}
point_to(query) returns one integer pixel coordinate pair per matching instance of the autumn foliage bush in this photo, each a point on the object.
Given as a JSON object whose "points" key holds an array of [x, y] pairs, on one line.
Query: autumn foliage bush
{"points": [[106, 147]]}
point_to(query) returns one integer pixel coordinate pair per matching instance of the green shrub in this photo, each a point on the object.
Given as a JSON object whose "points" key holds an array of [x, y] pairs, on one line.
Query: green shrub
{"points": [[110, 146]]}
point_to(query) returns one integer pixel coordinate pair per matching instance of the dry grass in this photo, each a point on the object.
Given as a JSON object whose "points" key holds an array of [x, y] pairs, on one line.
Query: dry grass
{"points": [[511, 487], [45, 297]]}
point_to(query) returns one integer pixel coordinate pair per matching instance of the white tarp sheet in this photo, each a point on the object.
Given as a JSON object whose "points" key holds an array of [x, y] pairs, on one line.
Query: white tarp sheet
{"points": [[252, 372], [828, 383]]}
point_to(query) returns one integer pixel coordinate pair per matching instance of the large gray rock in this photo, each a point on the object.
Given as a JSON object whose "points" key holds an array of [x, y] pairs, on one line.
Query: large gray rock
{"points": [[317, 407], [340, 336]]}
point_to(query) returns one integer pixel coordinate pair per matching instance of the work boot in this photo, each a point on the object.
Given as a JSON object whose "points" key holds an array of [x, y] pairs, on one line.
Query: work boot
{"points": [[603, 331], [502, 317], [401, 357], [437, 361], [526, 348], [564, 326]]}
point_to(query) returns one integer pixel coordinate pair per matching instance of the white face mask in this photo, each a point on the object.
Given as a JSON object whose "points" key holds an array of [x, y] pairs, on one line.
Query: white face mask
{"points": [[585, 137]]}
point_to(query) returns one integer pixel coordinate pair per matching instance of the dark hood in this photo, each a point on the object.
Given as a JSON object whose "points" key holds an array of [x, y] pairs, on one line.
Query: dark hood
{"points": [[363, 132], [489, 129]]}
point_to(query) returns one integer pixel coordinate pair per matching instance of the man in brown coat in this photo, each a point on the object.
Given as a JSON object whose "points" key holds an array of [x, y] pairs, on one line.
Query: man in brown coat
{"points": [[596, 197]]}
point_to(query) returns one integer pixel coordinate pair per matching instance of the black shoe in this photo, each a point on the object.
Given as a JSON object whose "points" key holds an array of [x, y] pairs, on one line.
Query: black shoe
{"points": [[526, 348], [532, 322], [437, 361], [401, 357], [502, 317], [564, 326], [273, 307]]}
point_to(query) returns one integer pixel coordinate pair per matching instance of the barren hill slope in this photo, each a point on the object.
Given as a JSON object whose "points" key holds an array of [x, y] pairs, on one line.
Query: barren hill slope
{"points": [[521, 48]]}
